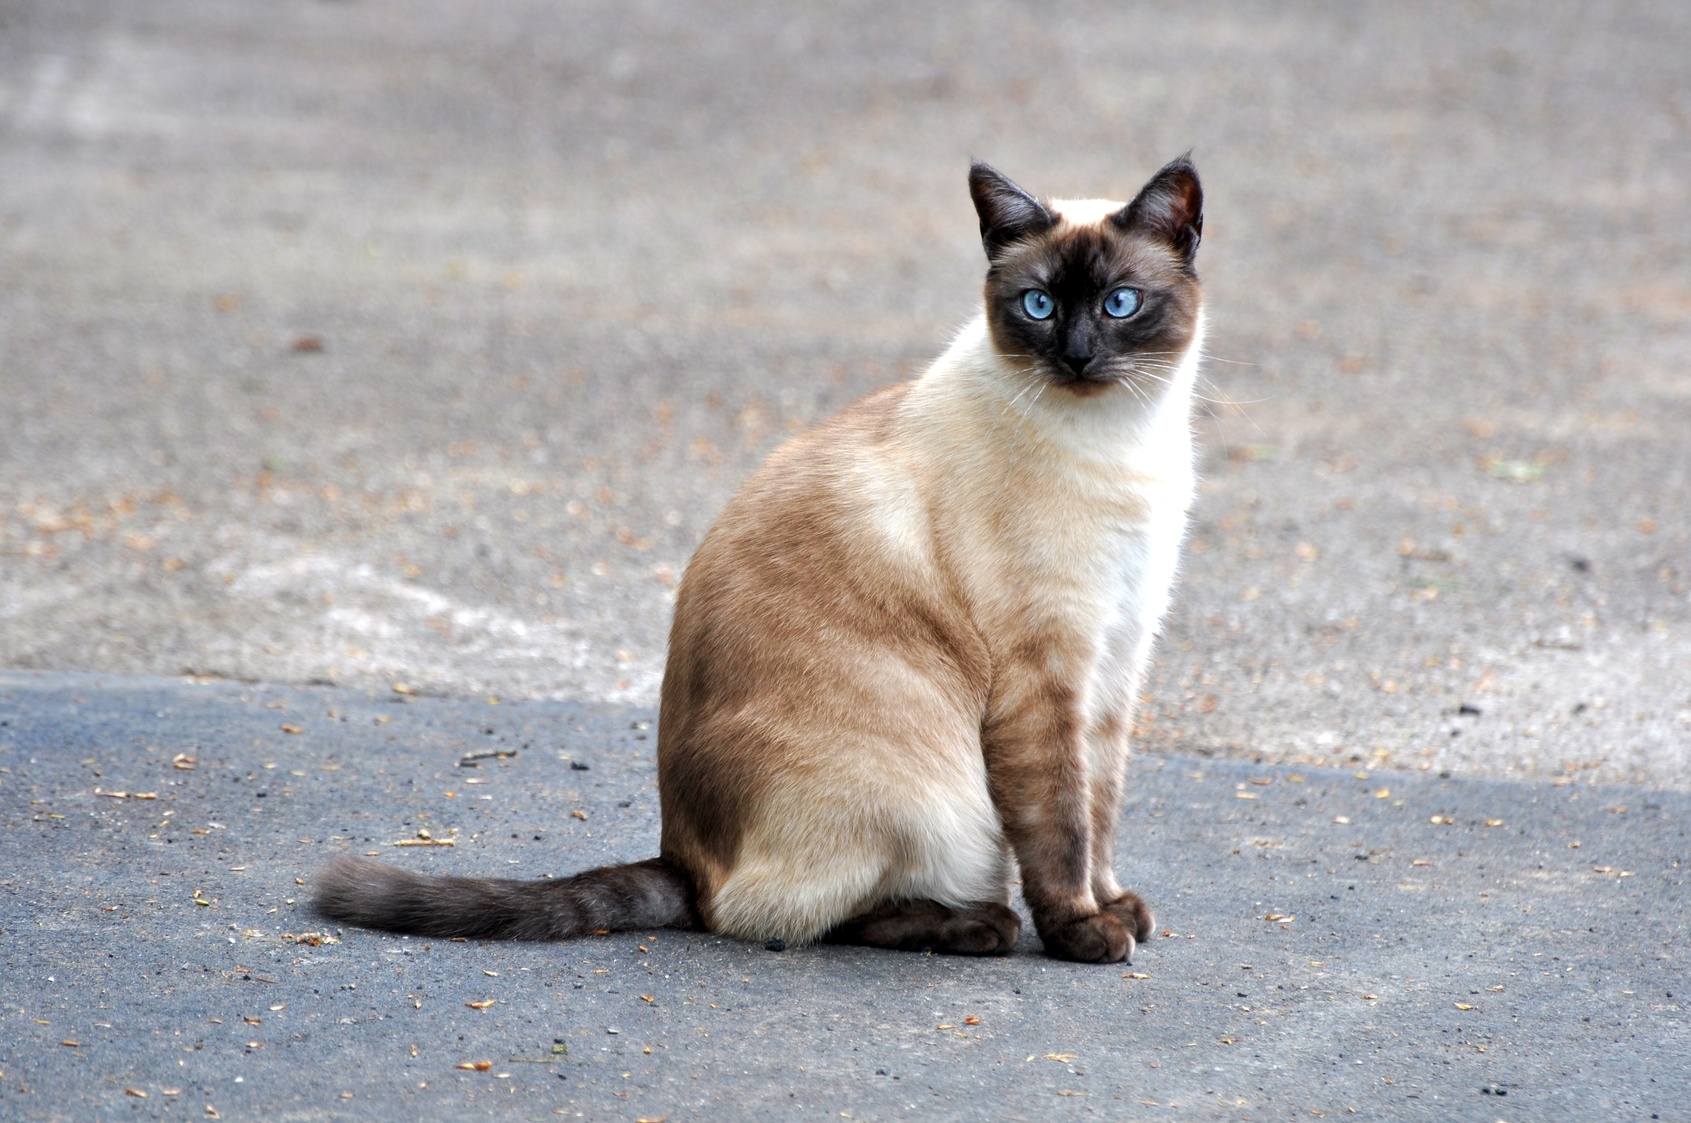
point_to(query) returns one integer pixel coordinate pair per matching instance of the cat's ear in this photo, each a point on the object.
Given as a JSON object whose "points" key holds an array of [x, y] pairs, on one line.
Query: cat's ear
{"points": [[1007, 213], [1169, 208]]}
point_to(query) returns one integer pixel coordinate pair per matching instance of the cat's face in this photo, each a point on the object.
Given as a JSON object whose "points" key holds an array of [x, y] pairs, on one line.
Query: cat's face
{"points": [[1091, 295]]}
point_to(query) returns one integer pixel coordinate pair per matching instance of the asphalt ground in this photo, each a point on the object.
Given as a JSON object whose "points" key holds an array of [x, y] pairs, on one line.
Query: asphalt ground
{"points": [[1331, 942], [381, 341]]}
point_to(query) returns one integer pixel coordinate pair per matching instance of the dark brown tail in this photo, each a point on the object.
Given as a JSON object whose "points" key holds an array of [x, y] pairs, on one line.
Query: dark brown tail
{"points": [[649, 894]]}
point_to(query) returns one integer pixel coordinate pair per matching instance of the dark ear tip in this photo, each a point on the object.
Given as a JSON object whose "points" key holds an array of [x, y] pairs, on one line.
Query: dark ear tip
{"points": [[1182, 175], [982, 172], [1180, 166]]}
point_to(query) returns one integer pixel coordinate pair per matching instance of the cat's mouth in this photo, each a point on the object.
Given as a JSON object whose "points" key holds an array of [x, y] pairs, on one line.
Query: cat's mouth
{"points": [[1085, 386], [1142, 379], [1087, 383]]}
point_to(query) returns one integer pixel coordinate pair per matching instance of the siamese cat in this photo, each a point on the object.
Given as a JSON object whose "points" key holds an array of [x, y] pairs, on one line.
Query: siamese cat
{"points": [[905, 659]]}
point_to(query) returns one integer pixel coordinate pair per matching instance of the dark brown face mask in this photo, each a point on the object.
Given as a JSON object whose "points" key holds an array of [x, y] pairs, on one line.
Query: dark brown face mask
{"points": [[1088, 304]]}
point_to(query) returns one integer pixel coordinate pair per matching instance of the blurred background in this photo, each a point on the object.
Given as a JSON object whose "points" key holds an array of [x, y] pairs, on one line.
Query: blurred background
{"points": [[396, 341]]}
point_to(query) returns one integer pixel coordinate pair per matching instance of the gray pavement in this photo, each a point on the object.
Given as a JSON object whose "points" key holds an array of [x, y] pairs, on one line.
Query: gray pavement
{"points": [[1326, 946], [574, 271]]}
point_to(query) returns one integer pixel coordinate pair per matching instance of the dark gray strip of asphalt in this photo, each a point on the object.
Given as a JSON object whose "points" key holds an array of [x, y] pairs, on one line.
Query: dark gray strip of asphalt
{"points": [[1404, 946]]}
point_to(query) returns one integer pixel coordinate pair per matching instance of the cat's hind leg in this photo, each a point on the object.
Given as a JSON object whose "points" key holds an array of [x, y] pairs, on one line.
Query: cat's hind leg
{"points": [[986, 928]]}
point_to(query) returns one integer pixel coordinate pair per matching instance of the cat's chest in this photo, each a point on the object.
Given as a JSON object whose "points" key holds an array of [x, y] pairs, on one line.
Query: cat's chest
{"points": [[1097, 601], [1092, 555]]}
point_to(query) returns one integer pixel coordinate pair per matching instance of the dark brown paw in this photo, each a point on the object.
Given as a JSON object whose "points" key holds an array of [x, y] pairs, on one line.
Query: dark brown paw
{"points": [[989, 929], [1102, 938], [1134, 913]]}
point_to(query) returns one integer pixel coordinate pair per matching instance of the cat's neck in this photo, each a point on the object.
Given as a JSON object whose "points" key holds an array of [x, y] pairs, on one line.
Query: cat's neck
{"points": [[977, 388]]}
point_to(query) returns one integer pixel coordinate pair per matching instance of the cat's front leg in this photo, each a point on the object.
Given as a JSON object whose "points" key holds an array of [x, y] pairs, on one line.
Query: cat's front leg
{"points": [[1035, 750], [1108, 746]]}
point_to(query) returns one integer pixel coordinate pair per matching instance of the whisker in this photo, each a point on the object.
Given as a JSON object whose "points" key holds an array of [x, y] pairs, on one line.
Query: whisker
{"points": [[1035, 401], [1032, 384]]}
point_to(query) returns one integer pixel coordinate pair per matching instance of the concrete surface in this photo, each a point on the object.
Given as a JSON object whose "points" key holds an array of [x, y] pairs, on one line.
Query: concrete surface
{"points": [[1326, 947], [373, 341]]}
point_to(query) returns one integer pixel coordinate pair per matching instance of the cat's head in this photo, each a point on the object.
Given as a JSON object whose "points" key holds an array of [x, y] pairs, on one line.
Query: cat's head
{"points": [[1090, 294]]}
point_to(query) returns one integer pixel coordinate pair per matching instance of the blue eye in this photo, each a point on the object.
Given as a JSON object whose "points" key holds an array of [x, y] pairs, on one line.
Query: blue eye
{"points": [[1122, 303], [1038, 304]]}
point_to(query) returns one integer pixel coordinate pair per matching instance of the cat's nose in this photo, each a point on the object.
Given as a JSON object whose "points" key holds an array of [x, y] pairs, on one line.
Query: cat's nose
{"points": [[1077, 363]]}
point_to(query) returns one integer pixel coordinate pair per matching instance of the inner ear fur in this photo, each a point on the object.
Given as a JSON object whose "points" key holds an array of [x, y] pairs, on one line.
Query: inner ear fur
{"points": [[1007, 213], [1169, 208]]}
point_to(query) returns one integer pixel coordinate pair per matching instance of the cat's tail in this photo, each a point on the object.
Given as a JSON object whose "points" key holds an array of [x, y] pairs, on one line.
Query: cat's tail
{"points": [[655, 893]]}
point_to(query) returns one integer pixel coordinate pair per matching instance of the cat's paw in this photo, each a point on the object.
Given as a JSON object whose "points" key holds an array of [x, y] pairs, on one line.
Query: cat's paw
{"points": [[1134, 913], [1101, 938], [988, 929]]}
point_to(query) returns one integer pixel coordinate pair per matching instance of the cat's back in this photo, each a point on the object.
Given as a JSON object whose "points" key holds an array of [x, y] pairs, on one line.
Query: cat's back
{"points": [[824, 556], [837, 507]]}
